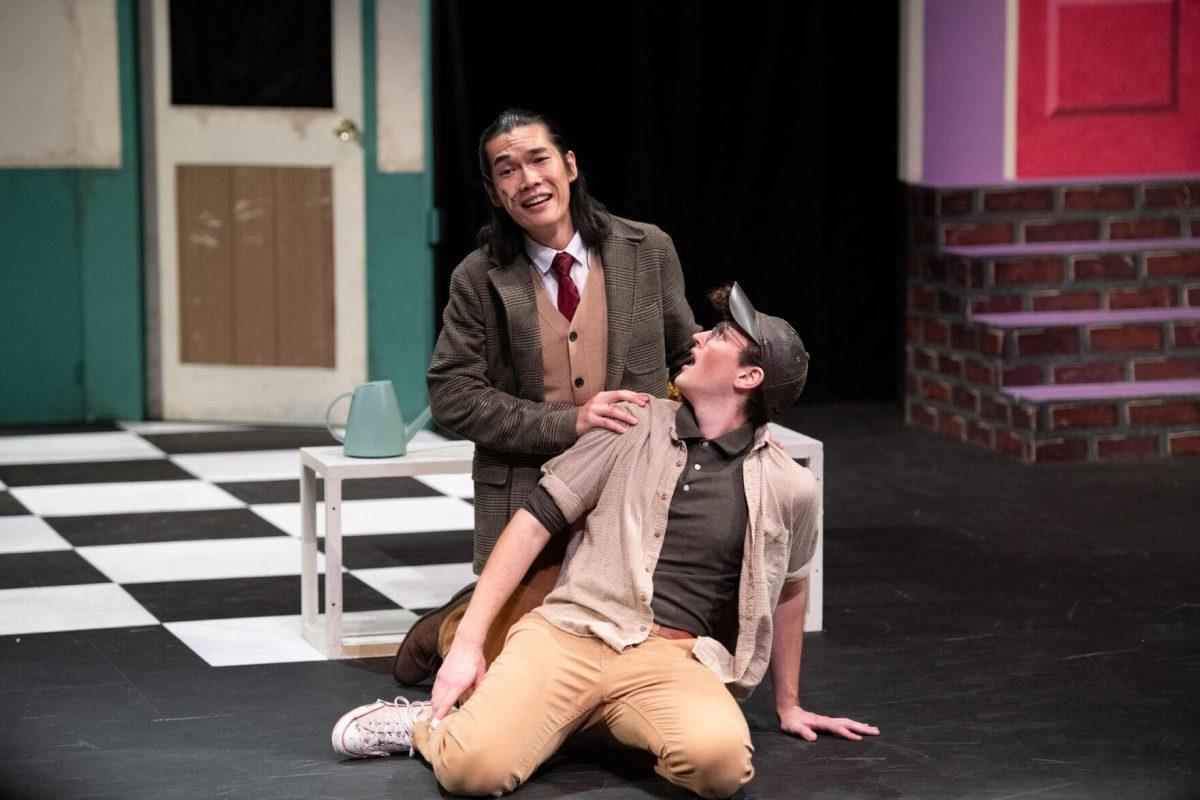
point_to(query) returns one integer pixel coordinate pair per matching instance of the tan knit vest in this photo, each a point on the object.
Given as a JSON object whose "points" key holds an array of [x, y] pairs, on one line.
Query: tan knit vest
{"points": [[575, 353]]}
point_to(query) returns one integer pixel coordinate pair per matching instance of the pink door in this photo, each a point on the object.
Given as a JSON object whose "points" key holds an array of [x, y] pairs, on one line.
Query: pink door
{"points": [[1108, 87]]}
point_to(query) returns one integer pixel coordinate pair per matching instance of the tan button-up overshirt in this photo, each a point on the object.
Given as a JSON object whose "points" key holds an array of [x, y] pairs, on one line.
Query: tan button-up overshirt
{"points": [[626, 481]]}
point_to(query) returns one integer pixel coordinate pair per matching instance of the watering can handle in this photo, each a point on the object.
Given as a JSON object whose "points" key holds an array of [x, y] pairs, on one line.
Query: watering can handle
{"points": [[329, 411]]}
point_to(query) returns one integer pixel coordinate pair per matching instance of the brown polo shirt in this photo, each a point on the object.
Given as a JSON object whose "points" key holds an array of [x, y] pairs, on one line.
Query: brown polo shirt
{"points": [[696, 577]]}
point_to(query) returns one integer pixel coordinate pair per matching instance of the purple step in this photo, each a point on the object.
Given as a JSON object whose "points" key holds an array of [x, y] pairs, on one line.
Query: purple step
{"points": [[1107, 391], [1057, 319], [1071, 248]]}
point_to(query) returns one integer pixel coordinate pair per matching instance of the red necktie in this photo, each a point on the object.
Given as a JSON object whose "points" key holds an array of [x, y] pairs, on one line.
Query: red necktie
{"points": [[568, 292]]}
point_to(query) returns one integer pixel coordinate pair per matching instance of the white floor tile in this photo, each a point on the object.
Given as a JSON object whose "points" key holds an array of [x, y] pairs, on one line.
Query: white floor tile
{"points": [[120, 498], [453, 485], [417, 587], [390, 515], [69, 608], [27, 534], [61, 448], [246, 640], [252, 465], [163, 426], [198, 559]]}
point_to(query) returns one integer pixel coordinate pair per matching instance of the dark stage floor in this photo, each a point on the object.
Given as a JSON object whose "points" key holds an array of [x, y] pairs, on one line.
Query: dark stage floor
{"points": [[1014, 631]]}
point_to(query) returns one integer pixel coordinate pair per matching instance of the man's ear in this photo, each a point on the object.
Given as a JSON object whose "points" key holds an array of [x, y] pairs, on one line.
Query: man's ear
{"points": [[749, 377], [572, 170]]}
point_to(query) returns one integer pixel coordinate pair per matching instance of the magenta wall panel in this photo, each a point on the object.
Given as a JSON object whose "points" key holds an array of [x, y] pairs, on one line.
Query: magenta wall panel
{"points": [[1108, 87]]}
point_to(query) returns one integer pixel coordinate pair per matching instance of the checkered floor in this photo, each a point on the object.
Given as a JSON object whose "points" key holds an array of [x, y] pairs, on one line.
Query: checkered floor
{"points": [[196, 528]]}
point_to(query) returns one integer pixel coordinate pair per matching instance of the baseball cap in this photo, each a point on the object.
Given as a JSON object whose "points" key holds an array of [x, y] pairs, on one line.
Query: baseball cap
{"points": [[785, 361]]}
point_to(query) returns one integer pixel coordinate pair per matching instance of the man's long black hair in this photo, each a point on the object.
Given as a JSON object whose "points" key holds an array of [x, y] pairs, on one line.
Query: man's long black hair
{"points": [[501, 237]]}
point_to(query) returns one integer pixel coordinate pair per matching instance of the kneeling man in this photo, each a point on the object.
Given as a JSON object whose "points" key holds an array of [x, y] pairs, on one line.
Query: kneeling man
{"points": [[687, 578]]}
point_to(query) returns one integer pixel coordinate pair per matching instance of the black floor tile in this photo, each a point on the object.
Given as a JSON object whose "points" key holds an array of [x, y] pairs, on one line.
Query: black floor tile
{"points": [[89, 658], [50, 568], [162, 526], [176, 601], [158, 469], [10, 506], [405, 549], [230, 441], [256, 492]]}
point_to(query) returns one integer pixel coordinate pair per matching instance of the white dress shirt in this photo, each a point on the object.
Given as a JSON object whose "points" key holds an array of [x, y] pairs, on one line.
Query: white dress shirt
{"points": [[543, 256]]}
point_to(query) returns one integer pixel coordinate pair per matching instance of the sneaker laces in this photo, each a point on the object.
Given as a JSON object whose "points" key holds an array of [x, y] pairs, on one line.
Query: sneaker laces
{"points": [[393, 722]]}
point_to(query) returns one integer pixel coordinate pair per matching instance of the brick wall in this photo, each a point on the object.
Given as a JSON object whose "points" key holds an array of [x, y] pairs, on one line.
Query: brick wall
{"points": [[957, 366]]}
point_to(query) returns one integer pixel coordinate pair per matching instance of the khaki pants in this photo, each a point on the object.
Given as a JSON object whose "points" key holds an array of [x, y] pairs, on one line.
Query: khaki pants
{"points": [[547, 685], [529, 594]]}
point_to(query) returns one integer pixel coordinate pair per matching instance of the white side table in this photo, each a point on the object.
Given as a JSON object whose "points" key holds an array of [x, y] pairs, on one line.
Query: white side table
{"points": [[377, 633], [366, 633]]}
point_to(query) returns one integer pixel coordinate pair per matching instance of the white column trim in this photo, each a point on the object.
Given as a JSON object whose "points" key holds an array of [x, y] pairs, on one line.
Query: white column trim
{"points": [[912, 90], [1011, 30], [400, 85]]}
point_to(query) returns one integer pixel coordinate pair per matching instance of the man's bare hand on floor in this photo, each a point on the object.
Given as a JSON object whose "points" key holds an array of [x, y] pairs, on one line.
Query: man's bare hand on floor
{"points": [[806, 724]]}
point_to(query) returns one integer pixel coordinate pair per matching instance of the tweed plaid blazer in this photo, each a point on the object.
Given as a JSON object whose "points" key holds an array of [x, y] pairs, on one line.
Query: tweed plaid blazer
{"points": [[485, 379]]}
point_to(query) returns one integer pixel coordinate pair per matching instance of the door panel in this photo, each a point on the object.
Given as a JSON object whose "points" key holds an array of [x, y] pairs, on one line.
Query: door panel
{"points": [[1108, 87], [304, 253], [256, 265], [253, 214], [205, 266]]}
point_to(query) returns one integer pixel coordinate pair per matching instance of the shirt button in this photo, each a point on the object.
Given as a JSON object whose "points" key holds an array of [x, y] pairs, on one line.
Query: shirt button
{"points": [[579, 381], [573, 336], [697, 466], [657, 534], [686, 487], [679, 463], [642, 627], [704, 444], [663, 496], [643, 600], [647, 569]]}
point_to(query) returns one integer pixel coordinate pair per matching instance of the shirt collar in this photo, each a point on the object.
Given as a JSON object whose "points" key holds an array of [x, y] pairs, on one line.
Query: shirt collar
{"points": [[542, 256], [733, 443]]}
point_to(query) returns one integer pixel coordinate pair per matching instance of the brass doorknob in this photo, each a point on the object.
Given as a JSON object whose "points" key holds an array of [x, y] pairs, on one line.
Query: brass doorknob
{"points": [[345, 129]]}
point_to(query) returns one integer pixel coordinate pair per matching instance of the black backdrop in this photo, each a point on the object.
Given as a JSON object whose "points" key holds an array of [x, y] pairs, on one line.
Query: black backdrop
{"points": [[763, 139]]}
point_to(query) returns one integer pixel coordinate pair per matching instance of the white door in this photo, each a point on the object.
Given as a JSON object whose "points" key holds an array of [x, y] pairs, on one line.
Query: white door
{"points": [[260, 238]]}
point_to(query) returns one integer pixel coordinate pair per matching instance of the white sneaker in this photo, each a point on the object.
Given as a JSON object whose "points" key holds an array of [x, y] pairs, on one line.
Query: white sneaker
{"points": [[380, 728]]}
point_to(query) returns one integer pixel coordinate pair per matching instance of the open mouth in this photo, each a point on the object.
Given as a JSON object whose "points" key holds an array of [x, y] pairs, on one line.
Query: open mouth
{"points": [[536, 201]]}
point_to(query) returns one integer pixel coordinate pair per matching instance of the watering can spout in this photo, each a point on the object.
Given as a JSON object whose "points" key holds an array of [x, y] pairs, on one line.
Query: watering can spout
{"points": [[417, 424]]}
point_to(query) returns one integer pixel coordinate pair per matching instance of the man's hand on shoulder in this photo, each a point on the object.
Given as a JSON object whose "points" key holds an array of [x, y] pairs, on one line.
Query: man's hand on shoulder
{"points": [[602, 411], [463, 669], [806, 724]]}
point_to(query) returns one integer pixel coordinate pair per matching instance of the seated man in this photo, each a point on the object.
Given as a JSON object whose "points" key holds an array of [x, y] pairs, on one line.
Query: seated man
{"points": [[689, 578]]}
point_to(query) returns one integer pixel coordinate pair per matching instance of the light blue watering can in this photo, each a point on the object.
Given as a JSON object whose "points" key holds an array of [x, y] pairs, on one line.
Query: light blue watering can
{"points": [[374, 427]]}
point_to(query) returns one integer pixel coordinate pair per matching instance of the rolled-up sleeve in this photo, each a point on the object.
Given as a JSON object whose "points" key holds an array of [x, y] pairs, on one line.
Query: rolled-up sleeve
{"points": [[806, 515], [576, 478], [543, 508]]}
